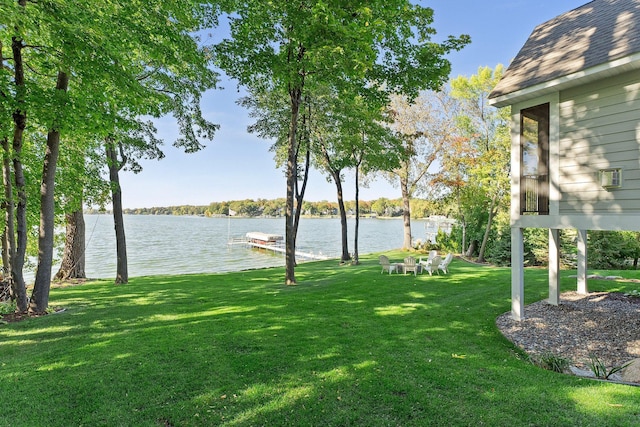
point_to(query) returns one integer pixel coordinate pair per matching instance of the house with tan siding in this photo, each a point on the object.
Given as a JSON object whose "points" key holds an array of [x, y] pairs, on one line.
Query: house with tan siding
{"points": [[574, 93]]}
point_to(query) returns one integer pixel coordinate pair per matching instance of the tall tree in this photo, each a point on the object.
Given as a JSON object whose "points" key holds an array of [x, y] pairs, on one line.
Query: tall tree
{"points": [[424, 126], [455, 161], [172, 73], [40, 294], [349, 135], [15, 28], [335, 141], [17, 291], [373, 151], [487, 131], [378, 47], [270, 109], [115, 164], [342, 131]]}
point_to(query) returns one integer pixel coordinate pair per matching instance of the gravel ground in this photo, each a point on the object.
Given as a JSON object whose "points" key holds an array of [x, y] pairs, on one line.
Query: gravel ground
{"points": [[603, 324]]}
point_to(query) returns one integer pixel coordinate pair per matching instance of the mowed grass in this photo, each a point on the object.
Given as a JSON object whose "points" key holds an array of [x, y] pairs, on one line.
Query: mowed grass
{"points": [[348, 346]]}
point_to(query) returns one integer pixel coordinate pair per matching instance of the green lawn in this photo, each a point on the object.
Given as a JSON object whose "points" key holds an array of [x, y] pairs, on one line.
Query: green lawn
{"points": [[347, 346]]}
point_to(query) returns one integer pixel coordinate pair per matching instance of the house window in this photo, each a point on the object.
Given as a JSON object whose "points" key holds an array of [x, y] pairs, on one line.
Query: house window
{"points": [[534, 160]]}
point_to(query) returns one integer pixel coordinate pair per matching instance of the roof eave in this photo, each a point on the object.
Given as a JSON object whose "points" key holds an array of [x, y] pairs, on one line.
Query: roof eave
{"points": [[607, 69]]}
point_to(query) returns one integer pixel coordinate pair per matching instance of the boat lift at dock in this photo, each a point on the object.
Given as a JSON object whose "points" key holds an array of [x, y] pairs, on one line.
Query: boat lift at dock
{"points": [[274, 243]]}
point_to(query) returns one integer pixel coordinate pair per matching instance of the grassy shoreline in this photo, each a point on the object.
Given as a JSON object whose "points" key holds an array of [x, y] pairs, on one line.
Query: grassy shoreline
{"points": [[347, 346]]}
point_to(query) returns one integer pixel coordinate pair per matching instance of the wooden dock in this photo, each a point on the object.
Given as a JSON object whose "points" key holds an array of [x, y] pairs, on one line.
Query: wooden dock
{"points": [[273, 243]]}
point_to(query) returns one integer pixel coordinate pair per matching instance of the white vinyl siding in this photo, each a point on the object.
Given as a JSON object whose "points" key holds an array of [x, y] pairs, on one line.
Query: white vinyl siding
{"points": [[600, 129]]}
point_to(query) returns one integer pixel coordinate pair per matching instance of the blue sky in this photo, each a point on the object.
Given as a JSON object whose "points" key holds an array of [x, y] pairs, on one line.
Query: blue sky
{"points": [[238, 165]]}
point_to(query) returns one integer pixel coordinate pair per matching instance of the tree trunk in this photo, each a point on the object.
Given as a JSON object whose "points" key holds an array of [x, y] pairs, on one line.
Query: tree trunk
{"points": [[335, 175], [73, 260], [487, 231], [463, 222], [300, 196], [472, 248], [356, 259], [406, 214], [8, 248], [6, 264], [20, 122], [122, 273], [9, 235], [464, 235], [292, 168], [40, 294], [343, 217]]}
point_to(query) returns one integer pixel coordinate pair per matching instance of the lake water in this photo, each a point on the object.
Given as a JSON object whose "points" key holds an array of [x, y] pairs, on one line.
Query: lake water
{"points": [[188, 244]]}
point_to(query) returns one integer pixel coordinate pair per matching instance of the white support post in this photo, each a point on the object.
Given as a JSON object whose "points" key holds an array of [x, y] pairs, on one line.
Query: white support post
{"points": [[517, 273], [554, 267], [582, 262]]}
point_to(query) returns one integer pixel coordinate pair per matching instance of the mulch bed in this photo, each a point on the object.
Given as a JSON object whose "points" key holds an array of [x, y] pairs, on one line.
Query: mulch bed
{"points": [[17, 317], [604, 324]]}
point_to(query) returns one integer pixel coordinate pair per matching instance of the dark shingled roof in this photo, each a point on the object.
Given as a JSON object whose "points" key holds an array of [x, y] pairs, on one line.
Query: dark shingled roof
{"points": [[596, 33]]}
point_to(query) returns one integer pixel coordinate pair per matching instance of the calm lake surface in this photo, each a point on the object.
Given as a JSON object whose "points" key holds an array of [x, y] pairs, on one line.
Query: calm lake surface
{"points": [[188, 244]]}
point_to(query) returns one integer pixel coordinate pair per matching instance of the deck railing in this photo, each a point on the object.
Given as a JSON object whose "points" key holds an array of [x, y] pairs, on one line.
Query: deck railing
{"points": [[534, 194]]}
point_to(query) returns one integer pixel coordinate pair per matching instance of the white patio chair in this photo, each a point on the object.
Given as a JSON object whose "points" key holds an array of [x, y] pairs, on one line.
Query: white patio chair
{"points": [[386, 265], [432, 267], [410, 265], [444, 265]]}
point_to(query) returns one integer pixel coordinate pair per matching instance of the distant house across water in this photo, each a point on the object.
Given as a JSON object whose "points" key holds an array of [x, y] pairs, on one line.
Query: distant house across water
{"points": [[436, 223]]}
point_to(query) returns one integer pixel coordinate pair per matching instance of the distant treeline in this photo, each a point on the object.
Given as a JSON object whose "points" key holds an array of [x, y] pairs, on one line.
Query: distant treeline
{"points": [[273, 208]]}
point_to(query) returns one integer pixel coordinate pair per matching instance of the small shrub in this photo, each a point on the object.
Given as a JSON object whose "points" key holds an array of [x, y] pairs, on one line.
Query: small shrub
{"points": [[551, 362], [499, 252], [7, 307], [634, 293], [448, 242], [601, 371]]}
